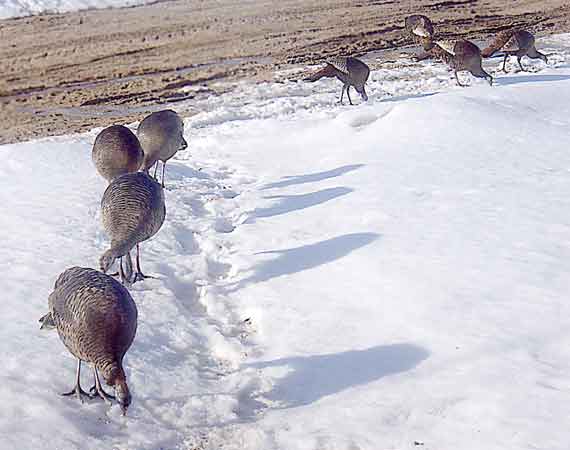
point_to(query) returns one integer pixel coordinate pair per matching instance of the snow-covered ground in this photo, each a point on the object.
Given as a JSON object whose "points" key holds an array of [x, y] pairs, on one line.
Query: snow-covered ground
{"points": [[22, 8], [386, 276]]}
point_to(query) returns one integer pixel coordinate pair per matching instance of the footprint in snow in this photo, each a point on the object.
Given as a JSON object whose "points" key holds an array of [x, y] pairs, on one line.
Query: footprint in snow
{"points": [[222, 225], [229, 193]]}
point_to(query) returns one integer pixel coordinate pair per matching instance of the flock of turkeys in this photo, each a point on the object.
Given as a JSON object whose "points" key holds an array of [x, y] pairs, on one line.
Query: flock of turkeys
{"points": [[460, 54], [94, 314]]}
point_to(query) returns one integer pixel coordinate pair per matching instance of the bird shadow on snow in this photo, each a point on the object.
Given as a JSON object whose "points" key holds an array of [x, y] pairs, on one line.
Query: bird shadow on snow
{"points": [[530, 79], [289, 203], [292, 180], [317, 376], [298, 259], [400, 98]]}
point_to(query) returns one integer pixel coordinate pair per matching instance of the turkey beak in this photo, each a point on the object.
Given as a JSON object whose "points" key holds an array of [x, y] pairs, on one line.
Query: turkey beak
{"points": [[123, 396], [123, 403]]}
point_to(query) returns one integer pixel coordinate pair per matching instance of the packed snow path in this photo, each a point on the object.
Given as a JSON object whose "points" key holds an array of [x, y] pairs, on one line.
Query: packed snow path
{"points": [[386, 276]]}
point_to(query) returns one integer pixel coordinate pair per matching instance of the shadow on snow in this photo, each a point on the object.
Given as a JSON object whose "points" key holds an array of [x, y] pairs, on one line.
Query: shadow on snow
{"points": [[312, 177], [298, 259], [505, 81], [317, 376], [289, 203]]}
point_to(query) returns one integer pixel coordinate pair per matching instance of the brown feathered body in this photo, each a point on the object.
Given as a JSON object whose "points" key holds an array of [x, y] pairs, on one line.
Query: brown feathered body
{"points": [[513, 43], [517, 43], [352, 72], [161, 135], [132, 211], [96, 319], [420, 29], [116, 151], [460, 55]]}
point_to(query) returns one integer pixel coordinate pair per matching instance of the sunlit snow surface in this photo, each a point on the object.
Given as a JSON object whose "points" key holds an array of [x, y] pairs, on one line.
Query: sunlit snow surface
{"points": [[22, 8], [391, 275]]}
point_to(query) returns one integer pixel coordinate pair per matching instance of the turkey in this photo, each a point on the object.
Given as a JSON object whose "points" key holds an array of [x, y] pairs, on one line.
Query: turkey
{"points": [[96, 319], [116, 151], [161, 135], [517, 43], [350, 71], [132, 211]]}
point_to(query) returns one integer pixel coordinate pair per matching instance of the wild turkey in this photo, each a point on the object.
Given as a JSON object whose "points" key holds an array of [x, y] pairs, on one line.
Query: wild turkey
{"points": [[96, 319], [132, 211], [161, 135], [460, 55], [116, 151], [351, 71], [420, 29], [517, 43]]}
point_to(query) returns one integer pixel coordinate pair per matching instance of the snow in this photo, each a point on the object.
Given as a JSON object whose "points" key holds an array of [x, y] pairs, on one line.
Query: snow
{"points": [[22, 8], [385, 276]]}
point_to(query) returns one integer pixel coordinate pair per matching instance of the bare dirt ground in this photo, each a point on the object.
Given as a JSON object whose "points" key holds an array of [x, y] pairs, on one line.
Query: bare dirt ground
{"points": [[71, 72]]}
